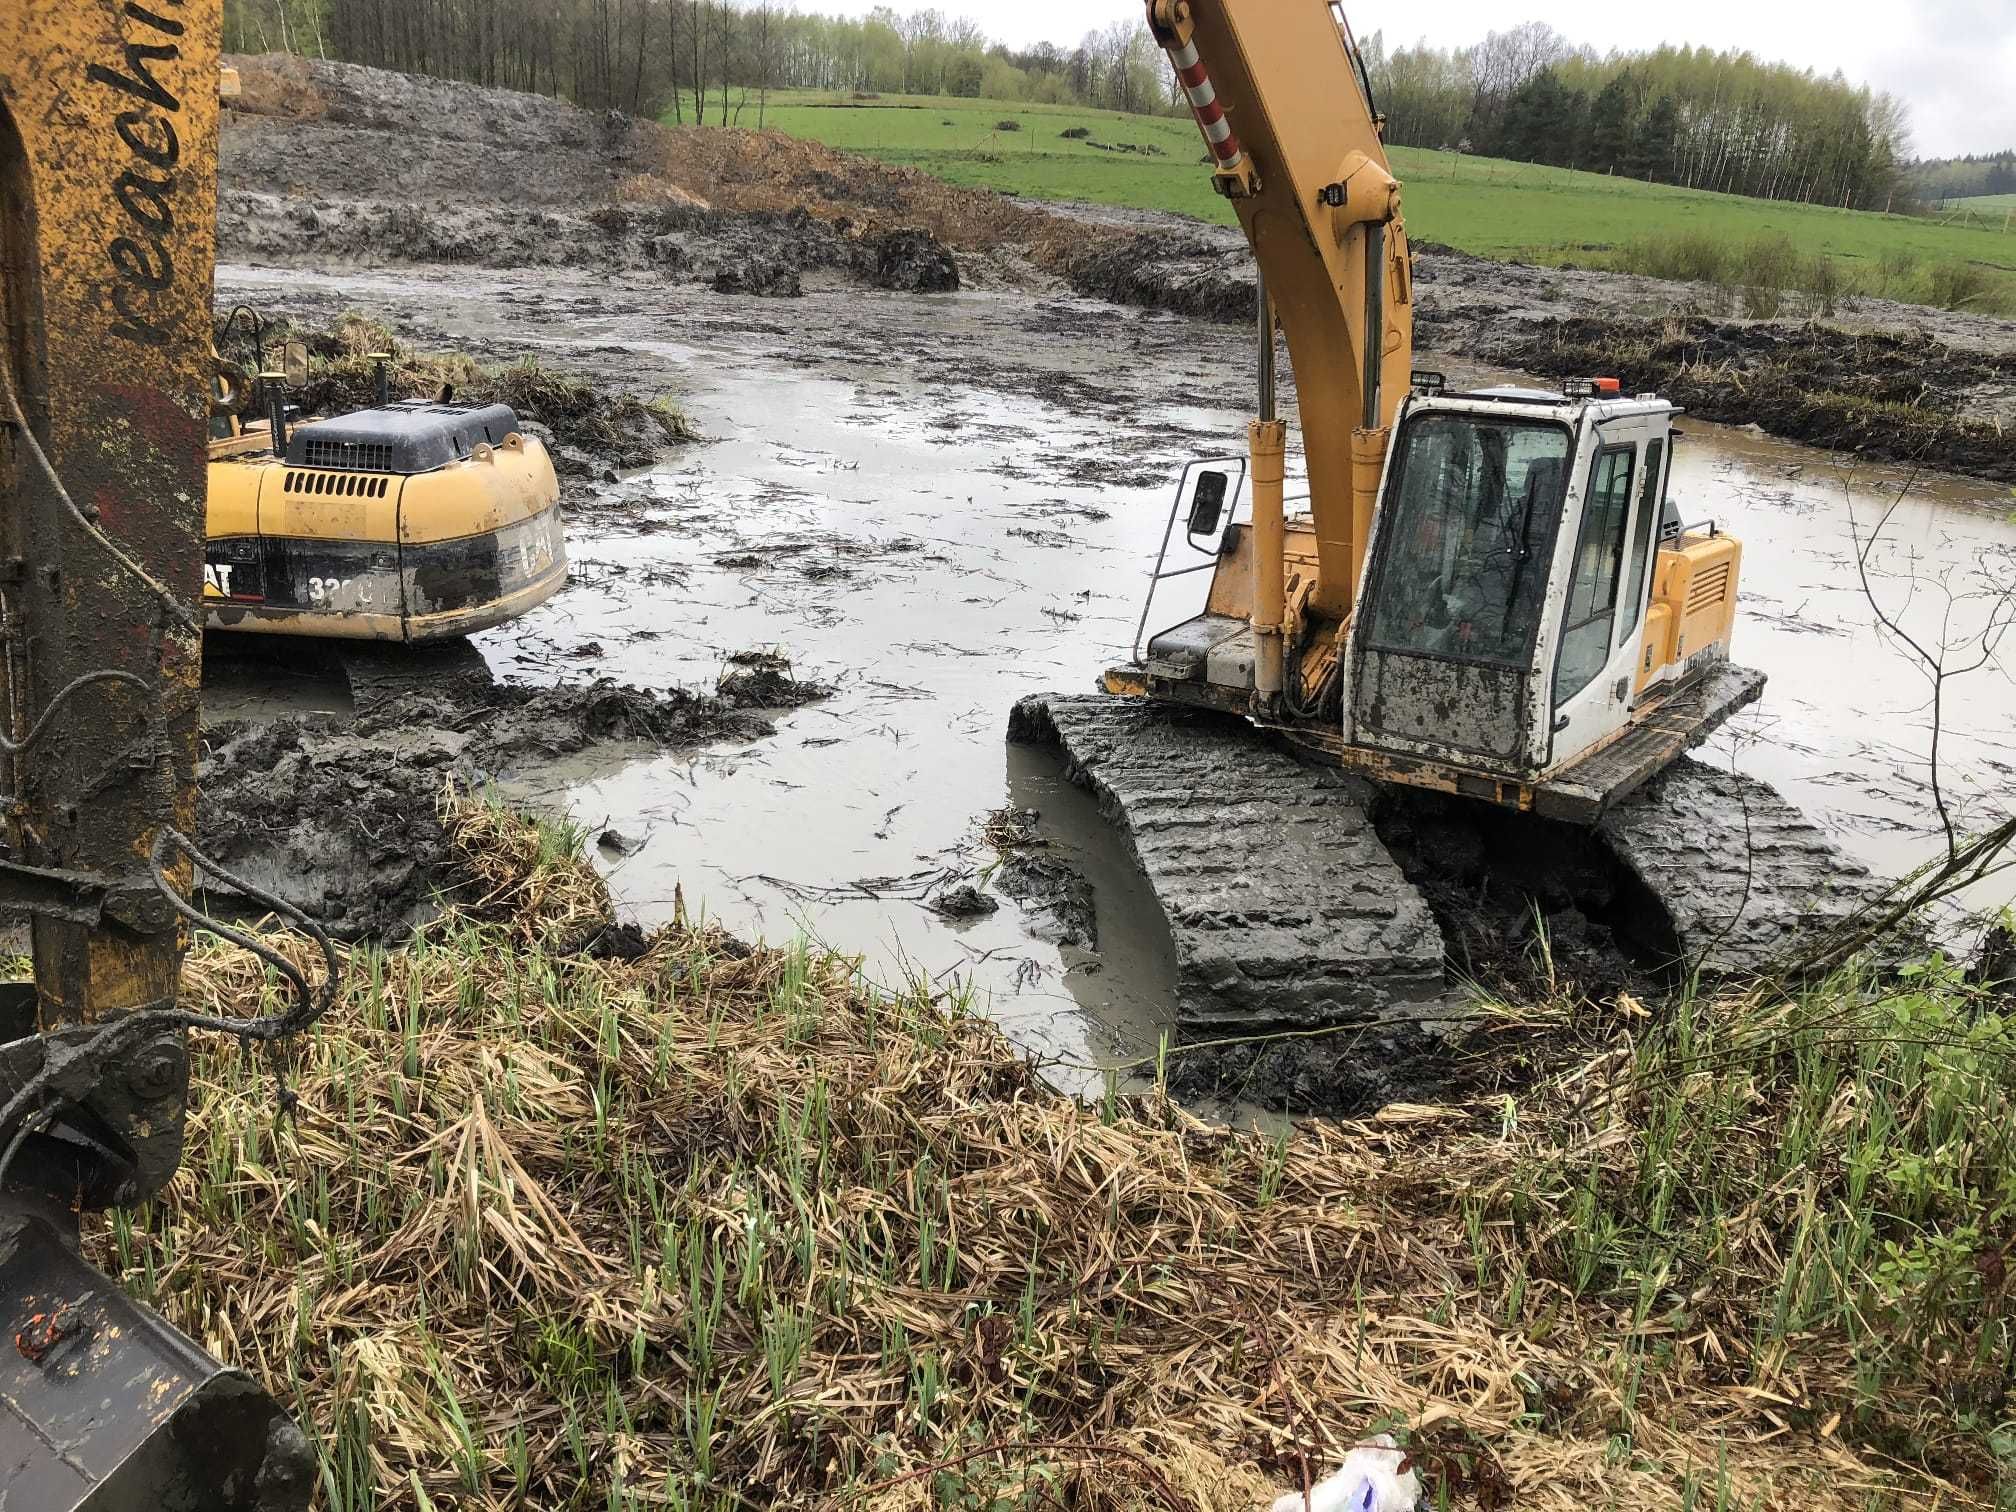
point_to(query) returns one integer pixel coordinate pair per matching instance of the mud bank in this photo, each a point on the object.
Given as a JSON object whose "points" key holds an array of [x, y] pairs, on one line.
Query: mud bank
{"points": [[415, 170], [342, 817], [763, 253], [1887, 382], [1885, 396]]}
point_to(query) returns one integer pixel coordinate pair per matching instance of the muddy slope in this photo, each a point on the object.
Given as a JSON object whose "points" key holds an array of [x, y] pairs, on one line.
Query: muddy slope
{"points": [[342, 818], [334, 162]]}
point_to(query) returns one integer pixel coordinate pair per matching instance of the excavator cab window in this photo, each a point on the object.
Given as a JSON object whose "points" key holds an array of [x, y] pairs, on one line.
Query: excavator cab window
{"points": [[1651, 495], [1599, 563], [1475, 502]]}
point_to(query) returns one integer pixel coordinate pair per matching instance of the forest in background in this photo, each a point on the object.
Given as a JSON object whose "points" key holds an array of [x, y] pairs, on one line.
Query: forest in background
{"points": [[1937, 180], [1687, 116]]}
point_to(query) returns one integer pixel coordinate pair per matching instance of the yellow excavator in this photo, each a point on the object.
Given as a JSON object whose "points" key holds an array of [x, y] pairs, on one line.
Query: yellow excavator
{"points": [[414, 521], [1487, 595]]}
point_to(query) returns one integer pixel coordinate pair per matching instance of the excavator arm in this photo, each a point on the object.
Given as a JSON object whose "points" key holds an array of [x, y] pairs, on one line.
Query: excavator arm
{"points": [[1285, 106], [108, 150]]}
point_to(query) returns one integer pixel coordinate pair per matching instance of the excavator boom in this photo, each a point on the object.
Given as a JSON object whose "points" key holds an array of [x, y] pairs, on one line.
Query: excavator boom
{"points": [[1309, 180]]}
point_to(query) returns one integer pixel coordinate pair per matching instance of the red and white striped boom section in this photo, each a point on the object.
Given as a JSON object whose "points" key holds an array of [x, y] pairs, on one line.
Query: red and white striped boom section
{"points": [[1196, 80]]}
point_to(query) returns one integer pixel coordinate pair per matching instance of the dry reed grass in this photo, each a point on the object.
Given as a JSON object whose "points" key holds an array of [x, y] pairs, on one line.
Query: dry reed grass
{"points": [[720, 1227]]}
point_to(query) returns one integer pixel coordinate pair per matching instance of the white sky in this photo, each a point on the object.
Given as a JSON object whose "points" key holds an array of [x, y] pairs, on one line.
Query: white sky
{"points": [[1952, 61]]}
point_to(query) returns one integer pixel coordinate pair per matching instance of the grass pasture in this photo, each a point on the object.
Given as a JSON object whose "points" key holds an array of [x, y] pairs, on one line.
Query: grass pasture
{"points": [[1987, 204], [1487, 206]]}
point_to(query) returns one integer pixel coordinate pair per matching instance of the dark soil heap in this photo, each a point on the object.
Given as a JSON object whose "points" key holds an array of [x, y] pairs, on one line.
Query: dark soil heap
{"points": [[1889, 397], [343, 820], [589, 429], [335, 161], [1900, 394]]}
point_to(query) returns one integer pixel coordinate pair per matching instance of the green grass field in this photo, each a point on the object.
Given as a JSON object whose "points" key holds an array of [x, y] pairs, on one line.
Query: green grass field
{"points": [[1983, 204], [1487, 206]]}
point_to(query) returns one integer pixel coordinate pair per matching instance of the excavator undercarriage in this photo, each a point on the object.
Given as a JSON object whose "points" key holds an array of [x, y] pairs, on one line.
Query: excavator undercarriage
{"points": [[1289, 910]]}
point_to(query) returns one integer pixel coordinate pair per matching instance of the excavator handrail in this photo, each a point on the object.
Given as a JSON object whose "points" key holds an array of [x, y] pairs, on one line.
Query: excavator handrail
{"points": [[1235, 494]]}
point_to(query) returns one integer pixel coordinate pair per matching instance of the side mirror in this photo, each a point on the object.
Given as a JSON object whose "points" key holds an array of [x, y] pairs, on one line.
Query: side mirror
{"points": [[294, 362], [1207, 504]]}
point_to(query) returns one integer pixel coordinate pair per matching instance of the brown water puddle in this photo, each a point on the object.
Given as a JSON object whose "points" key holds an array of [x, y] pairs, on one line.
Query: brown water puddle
{"points": [[939, 505]]}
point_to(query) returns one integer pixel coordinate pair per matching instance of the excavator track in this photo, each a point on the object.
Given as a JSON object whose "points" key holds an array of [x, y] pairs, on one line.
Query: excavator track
{"points": [[1747, 882], [380, 673], [1285, 910]]}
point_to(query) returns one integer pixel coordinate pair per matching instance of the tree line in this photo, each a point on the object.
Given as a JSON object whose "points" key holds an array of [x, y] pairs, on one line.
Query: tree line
{"points": [[1936, 180], [711, 60], [1679, 115]]}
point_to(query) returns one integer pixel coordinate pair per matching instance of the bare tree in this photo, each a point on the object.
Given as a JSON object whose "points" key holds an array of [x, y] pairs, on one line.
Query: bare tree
{"points": [[763, 61], [1973, 616]]}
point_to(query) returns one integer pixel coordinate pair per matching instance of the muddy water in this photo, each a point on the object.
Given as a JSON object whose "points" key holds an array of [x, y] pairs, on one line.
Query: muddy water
{"points": [[941, 504], [1846, 726]]}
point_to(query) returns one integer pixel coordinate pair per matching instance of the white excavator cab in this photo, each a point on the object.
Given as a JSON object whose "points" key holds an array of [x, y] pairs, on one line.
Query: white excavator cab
{"points": [[1508, 578], [1533, 626]]}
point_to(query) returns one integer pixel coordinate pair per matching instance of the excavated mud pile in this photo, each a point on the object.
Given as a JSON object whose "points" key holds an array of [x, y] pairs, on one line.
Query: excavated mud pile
{"points": [[1888, 397], [342, 819], [589, 428], [337, 162], [1210, 277], [346, 829], [1922, 386]]}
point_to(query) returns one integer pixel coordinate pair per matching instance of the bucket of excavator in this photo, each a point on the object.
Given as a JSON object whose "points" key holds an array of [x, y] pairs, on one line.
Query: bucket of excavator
{"points": [[106, 1408]]}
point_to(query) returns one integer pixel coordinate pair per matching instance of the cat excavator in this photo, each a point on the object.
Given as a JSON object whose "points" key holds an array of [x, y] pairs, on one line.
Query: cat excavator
{"points": [[414, 521], [108, 141], [1487, 605]]}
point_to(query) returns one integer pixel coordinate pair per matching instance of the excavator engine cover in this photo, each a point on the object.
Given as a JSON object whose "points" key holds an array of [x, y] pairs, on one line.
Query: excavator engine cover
{"points": [[408, 436], [105, 1408]]}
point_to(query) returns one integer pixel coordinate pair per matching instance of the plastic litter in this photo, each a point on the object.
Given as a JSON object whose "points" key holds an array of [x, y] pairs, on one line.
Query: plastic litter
{"points": [[1370, 1480]]}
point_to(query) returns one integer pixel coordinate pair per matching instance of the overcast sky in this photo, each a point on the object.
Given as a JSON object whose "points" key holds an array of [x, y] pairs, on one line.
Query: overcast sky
{"points": [[1952, 61]]}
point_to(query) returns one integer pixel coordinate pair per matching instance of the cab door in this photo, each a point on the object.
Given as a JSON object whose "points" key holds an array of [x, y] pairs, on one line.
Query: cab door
{"points": [[1596, 632]]}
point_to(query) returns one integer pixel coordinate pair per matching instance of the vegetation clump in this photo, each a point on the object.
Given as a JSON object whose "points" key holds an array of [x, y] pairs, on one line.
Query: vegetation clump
{"points": [[1764, 275], [343, 375], [695, 1223]]}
